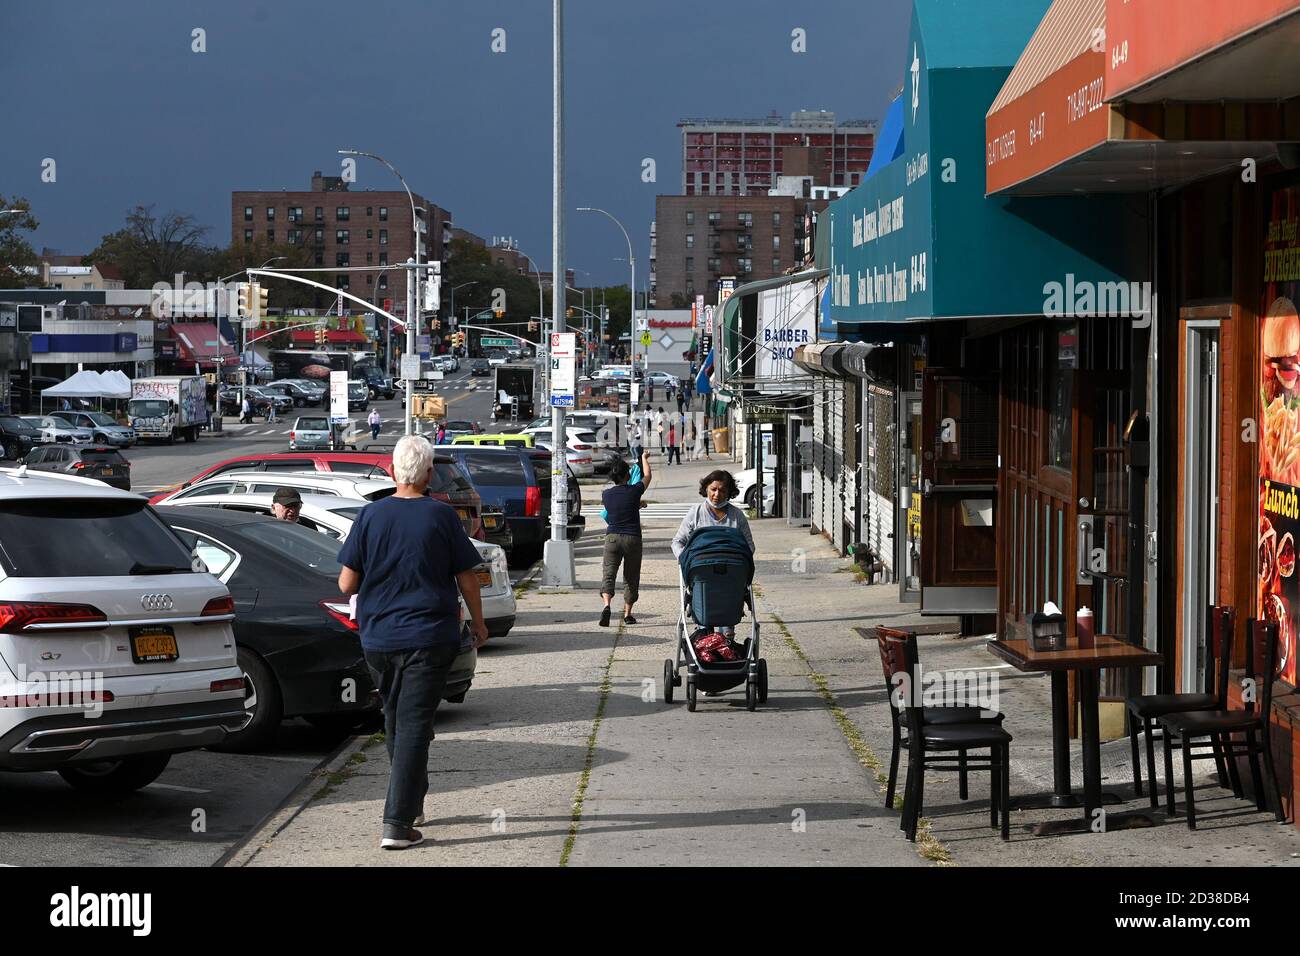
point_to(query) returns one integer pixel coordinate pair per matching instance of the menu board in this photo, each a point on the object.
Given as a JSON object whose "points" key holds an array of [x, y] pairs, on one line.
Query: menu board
{"points": [[1279, 438]]}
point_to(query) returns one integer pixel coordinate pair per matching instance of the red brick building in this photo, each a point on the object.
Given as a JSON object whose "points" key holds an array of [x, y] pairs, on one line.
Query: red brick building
{"points": [[345, 227]]}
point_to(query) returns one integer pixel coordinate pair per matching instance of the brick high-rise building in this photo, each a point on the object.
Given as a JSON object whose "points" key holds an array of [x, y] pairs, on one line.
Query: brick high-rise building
{"points": [[345, 228], [744, 157], [697, 239]]}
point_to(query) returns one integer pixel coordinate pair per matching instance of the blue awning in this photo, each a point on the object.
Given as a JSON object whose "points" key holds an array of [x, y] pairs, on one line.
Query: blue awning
{"points": [[889, 141]]}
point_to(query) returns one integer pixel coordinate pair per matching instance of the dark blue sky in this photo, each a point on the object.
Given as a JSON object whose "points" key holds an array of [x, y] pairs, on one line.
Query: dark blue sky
{"points": [[113, 93]]}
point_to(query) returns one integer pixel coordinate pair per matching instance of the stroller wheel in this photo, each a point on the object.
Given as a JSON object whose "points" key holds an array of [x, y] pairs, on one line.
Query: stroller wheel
{"points": [[762, 680], [751, 694], [669, 675], [690, 695]]}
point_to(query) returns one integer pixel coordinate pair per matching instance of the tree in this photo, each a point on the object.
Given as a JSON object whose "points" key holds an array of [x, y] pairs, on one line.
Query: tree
{"points": [[17, 257], [152, 249], [283, 294]]}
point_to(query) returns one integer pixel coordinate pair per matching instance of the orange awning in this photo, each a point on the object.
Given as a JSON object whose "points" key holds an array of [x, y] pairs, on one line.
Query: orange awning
{"points": [[1202, 50], [1050, 109]]}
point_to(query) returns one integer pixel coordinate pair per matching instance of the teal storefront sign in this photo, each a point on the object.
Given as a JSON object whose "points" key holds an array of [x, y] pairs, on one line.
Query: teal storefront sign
{"points": [[918, 240]]}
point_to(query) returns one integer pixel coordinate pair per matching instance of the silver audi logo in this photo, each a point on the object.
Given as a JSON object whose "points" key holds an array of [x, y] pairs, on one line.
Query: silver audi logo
{"points": [[157, 602]]}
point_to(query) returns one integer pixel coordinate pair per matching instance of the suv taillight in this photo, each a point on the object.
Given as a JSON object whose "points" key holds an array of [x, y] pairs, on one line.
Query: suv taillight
{"points": [[341, 612], [532, 501], [219, 606], [18, 616]]}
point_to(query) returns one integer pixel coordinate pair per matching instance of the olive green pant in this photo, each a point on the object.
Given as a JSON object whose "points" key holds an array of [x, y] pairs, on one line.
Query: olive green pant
{"points": [[622, 549]]}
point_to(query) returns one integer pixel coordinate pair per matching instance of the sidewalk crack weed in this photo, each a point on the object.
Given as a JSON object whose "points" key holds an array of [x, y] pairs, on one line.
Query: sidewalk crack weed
{"points": [[580, 795], [336, 779], [926, 843]]}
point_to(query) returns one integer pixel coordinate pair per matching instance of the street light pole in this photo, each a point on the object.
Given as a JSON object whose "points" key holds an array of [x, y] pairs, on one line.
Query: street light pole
{"points": [[412, 276], [632, 289], [558, 568]]}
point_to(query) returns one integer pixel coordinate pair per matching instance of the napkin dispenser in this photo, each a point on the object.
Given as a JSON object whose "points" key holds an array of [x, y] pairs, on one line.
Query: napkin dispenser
{"points": [[1047, 631]]}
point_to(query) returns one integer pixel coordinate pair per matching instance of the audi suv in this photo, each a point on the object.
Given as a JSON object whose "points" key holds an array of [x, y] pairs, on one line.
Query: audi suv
{"points": [[116, 645]]}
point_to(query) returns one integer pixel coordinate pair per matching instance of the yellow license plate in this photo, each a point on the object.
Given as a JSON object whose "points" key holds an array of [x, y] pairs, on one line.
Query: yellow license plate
{"points": [[485, 577], [108, 471], [490, 522], [151, 645]]}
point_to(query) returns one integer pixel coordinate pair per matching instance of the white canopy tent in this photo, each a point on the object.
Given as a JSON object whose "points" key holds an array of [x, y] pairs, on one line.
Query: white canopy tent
{"points": [[91, 384]]}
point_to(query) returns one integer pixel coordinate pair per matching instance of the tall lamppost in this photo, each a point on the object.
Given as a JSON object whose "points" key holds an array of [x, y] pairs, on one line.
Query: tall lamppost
{"points": [[631, 289], [413, 276]]}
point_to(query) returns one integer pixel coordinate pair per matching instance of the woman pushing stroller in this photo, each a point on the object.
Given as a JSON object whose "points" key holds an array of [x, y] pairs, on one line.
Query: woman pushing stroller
{"points": [[717, 488], [715, 552]]}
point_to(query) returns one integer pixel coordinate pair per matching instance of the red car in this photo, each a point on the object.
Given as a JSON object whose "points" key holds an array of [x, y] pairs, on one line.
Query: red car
{"points": [[450, 484]]}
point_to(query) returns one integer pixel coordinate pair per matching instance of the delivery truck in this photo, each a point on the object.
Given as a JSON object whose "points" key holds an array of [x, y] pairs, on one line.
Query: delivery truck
{"points": [[168, 407], [512, 391]]}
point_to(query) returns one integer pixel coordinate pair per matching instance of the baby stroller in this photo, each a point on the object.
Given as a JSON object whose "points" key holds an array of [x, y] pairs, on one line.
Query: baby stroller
{"points": [[716, 571]]}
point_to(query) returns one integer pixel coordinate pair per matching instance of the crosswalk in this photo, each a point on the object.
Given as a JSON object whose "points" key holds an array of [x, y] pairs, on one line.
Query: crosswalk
{"points": [[656, 510]]}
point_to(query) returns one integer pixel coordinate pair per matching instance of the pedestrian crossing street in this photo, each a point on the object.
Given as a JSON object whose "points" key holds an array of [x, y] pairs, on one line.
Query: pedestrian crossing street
{"points": [[675, 510]]}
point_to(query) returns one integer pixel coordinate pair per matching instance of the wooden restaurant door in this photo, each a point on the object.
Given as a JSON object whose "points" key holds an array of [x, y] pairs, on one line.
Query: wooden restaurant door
{"points": [[1062, 538], [959, 493]]}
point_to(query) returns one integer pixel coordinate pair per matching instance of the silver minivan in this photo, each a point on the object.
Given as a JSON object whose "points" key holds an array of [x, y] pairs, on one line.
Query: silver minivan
{"points": [[116, 646]]}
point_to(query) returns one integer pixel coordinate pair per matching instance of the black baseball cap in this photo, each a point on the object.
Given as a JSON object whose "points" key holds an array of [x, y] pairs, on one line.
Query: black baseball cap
{"points": [[287, 497]]}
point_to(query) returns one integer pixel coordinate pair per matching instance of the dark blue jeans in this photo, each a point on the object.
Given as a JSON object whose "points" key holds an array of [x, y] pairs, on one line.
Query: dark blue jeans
{"points": [[411, 685]]}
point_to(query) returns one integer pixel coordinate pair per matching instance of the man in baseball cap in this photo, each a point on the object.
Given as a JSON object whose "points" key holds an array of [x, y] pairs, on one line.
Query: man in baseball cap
{"points": [[286, 504]]}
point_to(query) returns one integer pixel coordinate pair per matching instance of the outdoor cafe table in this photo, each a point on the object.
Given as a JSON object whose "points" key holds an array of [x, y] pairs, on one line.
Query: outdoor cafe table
{"points": [[1086, 662]]}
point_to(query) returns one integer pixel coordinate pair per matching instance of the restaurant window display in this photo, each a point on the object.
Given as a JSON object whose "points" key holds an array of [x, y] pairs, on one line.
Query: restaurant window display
{"points": [[1279, 438]]}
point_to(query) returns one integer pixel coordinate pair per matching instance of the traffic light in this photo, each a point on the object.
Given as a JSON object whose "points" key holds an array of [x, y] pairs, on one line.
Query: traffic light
{"points": [[243, 308], [260, 299], [532, 325], [321, 337]]}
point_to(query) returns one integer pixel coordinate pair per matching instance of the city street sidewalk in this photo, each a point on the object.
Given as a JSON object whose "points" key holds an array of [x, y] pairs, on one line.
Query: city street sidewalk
{"points": [[565, 753]]}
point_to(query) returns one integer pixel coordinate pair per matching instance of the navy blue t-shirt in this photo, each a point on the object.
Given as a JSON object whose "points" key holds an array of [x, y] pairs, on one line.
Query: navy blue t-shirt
{"points": [[623, 507], [408, 552]]}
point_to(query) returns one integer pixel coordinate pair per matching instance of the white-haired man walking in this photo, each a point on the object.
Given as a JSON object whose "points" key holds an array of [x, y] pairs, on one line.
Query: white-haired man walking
{"points": [[405, 559]]}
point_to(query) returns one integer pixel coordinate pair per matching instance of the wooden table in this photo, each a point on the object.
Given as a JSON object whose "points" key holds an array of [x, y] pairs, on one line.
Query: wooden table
{"points": [[1085, 662]]}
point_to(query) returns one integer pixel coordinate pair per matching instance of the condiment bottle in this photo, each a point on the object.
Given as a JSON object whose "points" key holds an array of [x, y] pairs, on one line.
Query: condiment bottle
{"points": [[1083, 627]]}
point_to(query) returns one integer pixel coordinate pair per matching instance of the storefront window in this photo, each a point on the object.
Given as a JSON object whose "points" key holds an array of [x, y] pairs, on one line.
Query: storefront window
{"points": [[1062, 363]]}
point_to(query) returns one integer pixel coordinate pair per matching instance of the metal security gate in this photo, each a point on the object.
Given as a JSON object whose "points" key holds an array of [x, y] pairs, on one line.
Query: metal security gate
{"points": [[835, 444]]}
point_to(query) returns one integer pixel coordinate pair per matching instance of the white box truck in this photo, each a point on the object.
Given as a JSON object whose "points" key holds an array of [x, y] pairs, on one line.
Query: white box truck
{"points": [[169, 407]]}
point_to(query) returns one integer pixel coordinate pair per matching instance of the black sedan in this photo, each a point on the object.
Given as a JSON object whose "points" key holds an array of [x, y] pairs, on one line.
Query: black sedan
{"points": [[480, 367], [299, 650]]}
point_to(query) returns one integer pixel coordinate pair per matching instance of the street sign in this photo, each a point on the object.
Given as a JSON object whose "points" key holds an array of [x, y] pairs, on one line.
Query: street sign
{"points": [[492, 341], [338, 398], [563, 368], [645, 339], [410, 366]]}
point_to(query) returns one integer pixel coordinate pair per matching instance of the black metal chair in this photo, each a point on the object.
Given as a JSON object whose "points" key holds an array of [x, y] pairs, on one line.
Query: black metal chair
{"points": [[931, 745], [959, 712], [1223, 724], [1149, 708]]}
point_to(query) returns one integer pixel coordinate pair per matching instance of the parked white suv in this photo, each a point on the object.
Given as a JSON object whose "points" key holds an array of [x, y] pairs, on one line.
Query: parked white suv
{"points": [[250, 482], [116, 648]]}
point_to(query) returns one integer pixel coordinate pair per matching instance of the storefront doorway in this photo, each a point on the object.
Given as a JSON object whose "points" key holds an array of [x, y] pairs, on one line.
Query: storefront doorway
{"points": [[1065, 407], [1200, 492], [907, 526], [959, 492]]}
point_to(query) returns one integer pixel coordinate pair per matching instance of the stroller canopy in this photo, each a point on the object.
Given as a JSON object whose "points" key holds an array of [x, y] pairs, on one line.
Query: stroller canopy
{"points": [[717, 542]]}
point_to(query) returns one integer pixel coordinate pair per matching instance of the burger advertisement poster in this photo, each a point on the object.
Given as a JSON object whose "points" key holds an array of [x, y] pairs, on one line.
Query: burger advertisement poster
{"points": [[1279, 439]]}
